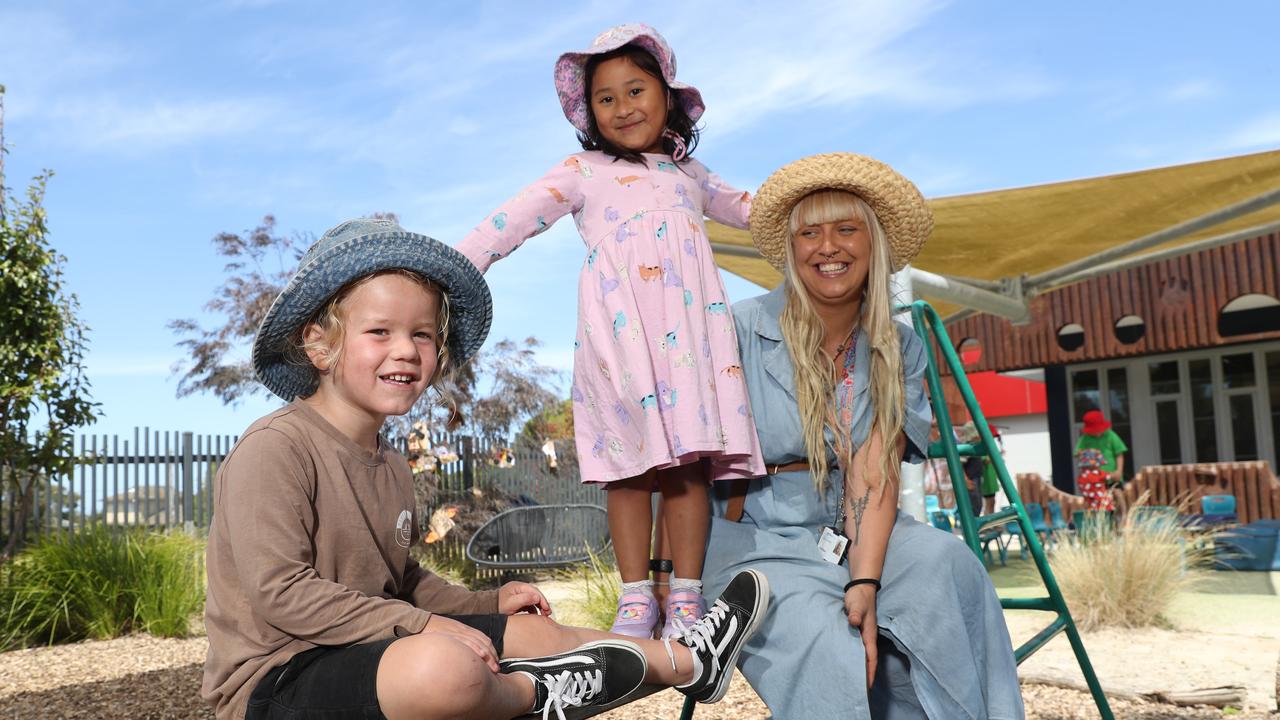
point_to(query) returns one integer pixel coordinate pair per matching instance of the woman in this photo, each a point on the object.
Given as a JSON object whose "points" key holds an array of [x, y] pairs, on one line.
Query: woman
{"points": [[835, 383]]}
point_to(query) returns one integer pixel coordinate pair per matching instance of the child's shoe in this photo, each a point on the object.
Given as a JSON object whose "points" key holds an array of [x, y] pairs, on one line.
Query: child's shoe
{"points": [[637, 615], [684, 608], [718, 637], [595, 674]]}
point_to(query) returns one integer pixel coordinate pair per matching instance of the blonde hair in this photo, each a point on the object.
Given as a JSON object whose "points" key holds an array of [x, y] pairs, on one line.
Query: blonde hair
{"points": [[803, 330], [331, 319]]}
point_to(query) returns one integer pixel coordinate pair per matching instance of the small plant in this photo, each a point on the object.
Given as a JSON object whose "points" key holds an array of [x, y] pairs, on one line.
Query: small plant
{"points": [[1128, 577], [101, 583], [600, 589], [446, 560]]}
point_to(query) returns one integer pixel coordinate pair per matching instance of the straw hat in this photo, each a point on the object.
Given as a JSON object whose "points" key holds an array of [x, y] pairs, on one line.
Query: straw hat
{"points": [[348, 252], [901, 209]]}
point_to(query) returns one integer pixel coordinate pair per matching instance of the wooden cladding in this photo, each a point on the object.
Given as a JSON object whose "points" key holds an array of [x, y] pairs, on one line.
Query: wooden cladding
{"points": [[1178, 300]]}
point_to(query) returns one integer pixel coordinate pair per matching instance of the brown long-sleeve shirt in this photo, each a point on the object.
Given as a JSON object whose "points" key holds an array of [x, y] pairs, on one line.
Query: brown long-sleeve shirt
{"points": [[309, 547]]}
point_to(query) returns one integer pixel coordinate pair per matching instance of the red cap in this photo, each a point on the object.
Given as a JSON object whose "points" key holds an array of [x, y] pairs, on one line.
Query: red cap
{"points": [[1095, 423]]}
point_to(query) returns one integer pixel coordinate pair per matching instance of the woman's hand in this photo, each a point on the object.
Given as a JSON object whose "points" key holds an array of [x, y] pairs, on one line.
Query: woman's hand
{"points": [[517, 597], [467, 635], [860, 607]]}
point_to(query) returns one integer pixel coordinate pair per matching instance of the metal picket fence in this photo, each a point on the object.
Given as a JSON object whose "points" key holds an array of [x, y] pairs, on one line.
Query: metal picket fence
{"points": [[157, 480], [164, 481]]}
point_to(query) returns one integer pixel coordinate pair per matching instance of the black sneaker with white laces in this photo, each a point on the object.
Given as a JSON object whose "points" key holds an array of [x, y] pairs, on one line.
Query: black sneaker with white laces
{"points": [[718, 637], [597, 673]]}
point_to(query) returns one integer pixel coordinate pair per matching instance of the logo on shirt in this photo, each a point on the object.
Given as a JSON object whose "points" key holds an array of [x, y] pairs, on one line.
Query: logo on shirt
{"points": [[404, 528]]}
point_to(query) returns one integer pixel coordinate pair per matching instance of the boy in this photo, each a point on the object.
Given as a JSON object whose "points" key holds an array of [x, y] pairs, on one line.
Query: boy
{"points": [[315, 608]]}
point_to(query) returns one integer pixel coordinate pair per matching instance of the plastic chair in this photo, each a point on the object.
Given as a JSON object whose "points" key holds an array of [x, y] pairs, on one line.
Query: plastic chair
{"points": [[1056, 521], [997, 536], [939, 519], [1015, 531], [1091, 525], [931, 504], [1217, 510], [1038, 524]]}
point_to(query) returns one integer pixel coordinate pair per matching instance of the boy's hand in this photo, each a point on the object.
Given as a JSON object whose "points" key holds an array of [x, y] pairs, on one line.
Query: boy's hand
{"points": [[517, 597], [467, 635]]}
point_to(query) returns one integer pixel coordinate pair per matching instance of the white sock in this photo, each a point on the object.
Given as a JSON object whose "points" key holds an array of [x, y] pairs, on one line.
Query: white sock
{"points": [[644, 586], [686, 584]]}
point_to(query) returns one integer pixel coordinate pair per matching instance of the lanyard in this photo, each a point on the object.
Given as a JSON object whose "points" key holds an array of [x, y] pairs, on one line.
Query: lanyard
{"points": [[844, 409]]}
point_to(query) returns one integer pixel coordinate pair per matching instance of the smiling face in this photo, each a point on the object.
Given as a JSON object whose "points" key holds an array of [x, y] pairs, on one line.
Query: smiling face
{"points": [[831, 247], [386, 357], [629, 105]]}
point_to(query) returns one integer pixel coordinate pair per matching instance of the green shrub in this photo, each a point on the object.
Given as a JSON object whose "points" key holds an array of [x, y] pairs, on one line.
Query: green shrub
{"points": [[1127, 577], [100, 583]]}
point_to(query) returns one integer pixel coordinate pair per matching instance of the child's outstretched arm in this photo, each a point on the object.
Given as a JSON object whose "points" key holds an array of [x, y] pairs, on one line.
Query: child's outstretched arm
{"points": [[265, 498], [530, 212], [725, 203]]}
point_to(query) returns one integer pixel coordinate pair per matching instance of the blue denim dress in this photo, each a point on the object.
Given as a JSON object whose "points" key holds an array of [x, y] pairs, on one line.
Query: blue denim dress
{"points": [[951, 656]]}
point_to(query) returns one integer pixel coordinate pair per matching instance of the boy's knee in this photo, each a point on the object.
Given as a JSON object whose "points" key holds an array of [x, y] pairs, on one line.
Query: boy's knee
{"points": [[435, 675]]}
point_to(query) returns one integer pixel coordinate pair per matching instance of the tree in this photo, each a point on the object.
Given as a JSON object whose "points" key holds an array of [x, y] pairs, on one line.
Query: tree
{"points": [[260, 263], [522, 388], [44, 394], [554, 423]]}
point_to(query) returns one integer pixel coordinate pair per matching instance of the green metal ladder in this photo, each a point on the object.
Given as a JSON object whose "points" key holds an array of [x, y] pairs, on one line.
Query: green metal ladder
{"points": [[926, 322]]}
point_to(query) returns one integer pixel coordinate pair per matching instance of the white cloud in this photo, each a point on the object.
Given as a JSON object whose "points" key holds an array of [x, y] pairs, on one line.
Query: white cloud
{"points": [[118, 366], [42, 56], [1192, 90], [776, 60], [1261, 132], [112, 124]]}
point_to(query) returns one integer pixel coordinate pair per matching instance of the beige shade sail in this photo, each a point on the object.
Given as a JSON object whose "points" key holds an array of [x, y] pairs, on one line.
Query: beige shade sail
{"points": [[1028, 230]]}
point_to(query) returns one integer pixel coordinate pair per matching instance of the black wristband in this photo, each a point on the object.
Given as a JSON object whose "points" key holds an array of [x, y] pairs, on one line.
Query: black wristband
{"points": [[863, 581], [660, 565]]}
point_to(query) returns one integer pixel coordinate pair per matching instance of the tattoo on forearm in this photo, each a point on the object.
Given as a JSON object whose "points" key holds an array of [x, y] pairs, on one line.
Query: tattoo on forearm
{"points": [[859, 506]]}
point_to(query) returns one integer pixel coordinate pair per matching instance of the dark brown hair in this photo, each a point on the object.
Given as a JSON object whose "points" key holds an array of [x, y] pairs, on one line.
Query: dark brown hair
{"points": [[678, 121]]}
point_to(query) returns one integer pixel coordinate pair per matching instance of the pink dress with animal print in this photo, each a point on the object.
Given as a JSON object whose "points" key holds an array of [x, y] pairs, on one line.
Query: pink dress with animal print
{"points": [[657, 380]]}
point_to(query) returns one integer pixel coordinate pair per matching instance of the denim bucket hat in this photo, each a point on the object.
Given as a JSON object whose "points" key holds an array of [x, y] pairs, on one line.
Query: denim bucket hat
{"points": [[348, 252], [571, 72]]}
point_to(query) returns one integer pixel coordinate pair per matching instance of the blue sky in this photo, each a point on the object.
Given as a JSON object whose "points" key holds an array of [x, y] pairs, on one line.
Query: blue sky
{"points": [[167, 123]]}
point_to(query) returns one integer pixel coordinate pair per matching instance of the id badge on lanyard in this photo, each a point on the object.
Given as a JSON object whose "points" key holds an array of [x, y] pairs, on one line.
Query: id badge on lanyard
{"points": [[833, 545]]}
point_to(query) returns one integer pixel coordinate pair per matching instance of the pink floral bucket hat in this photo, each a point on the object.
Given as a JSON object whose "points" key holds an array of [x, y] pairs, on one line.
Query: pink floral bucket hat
{"points": [[571, 80]]}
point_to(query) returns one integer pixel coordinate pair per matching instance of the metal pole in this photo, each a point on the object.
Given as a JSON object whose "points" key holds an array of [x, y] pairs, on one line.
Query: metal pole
{"points": [[1197, 246], [910, 476], [946, 289], [1221, 215], [188, 473], [971, 293]]}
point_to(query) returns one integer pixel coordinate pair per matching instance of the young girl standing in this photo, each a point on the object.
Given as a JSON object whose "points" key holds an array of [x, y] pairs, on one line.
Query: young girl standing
{"points": [[659, 401]]}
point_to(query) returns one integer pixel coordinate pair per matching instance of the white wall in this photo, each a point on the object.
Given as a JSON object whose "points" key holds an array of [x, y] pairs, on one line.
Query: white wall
{"points": [[1026, 444]]}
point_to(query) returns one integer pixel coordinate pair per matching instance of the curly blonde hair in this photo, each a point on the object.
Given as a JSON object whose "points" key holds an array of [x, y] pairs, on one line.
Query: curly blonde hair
{"points": [[815, 371], [331, 319]]}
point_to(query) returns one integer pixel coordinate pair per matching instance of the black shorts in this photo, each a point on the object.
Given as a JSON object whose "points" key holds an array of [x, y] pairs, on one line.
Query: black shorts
{"points": [[339, 682]]}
